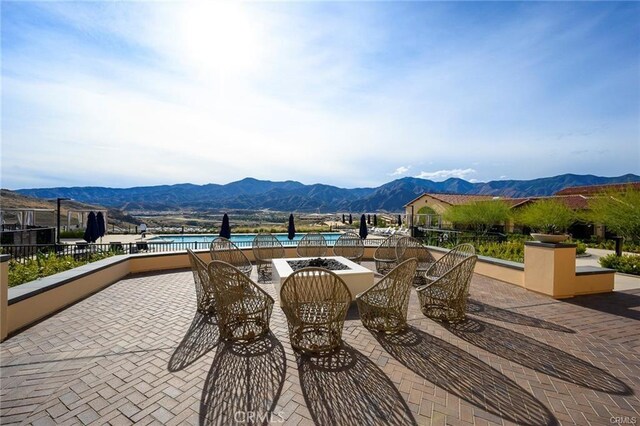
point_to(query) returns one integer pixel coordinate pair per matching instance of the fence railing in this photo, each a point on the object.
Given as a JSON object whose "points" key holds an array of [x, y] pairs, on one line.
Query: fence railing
{"points": [[85, 251], [449, 237]]}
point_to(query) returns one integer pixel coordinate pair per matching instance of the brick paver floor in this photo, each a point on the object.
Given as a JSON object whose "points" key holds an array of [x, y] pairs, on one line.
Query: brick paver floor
{"points": [[137, 353]]}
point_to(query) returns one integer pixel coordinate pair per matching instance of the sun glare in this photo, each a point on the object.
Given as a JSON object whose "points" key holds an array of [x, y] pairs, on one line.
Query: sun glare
{"points": [[219, 38]]}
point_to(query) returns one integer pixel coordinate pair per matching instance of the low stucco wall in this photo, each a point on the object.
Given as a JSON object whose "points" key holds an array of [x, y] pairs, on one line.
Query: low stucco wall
{"points": [[4, 289], [502, 270], [30, 302]]}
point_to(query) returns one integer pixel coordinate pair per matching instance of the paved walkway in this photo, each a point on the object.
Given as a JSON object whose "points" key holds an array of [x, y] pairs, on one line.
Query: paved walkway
{"points": [[137, 353]]}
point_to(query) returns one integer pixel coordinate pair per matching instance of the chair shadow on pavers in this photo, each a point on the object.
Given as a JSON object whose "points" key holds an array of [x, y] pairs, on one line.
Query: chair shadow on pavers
{"points": [[465, 376], [492, 312], [347, 388], [244, 383], [620, 303], [541, 357], [201, 337]]}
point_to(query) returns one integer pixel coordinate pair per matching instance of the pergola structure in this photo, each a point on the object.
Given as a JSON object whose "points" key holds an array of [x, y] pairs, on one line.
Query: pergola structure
{"points": [[25, 216]]}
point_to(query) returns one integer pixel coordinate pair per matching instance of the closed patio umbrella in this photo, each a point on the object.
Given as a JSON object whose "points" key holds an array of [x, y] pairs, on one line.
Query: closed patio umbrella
{"points": [[101, 225], [91, 233], [343, 219], [291, 229], [350, 219], [368, 219], [363, 227], [225, 229], [375, 220], [399, 220]]}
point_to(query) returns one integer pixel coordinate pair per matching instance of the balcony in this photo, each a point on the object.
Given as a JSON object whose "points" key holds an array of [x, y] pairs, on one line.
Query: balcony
{"points": [[137, 352]]}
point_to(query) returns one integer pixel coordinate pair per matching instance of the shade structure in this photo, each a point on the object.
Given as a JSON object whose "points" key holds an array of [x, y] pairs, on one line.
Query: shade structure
{"points": [[399, 220], [91, 233], [375, 220], [101, 225], [291, 229], [225, 229], [363, 227], [350, 219]]}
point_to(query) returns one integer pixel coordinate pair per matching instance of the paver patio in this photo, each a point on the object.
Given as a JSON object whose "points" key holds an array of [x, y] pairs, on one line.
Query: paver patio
{"points": [[137, 353]]}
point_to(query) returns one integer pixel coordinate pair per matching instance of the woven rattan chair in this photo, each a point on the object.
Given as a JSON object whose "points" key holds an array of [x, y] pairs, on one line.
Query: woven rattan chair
{"points": [[445, 299], [243, 308], [312, 244], [204, 291], [265, 248], [383, 307], [385, 254], [315, 302], [226, 251], [448, 261], [350, 246], [409, 248]]}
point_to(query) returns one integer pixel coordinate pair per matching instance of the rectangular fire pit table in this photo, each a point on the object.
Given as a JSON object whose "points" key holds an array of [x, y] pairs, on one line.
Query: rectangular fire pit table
{"points": [[357, 278]]}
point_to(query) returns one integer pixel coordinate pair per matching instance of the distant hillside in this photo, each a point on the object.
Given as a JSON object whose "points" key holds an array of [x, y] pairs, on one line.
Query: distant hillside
{"points": [[14, 200], [251, 193]]}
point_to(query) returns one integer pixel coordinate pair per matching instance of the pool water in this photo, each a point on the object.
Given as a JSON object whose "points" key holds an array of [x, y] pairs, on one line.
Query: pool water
{"points": [[244, 239]]}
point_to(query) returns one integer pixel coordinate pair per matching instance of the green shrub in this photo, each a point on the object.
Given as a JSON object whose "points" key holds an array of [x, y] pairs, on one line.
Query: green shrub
{"points": [[509, 250], [547, 216], [480, 215], [45, 264], [77, 233], [628, 263], [581, 247], [611, 245]]}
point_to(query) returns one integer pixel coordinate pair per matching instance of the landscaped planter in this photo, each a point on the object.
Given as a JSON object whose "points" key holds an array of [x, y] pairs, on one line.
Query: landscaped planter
{"points": [[549, 238]]}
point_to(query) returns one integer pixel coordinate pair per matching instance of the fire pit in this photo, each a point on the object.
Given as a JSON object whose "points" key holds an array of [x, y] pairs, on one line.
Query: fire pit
{"points": [[319, 262], [356, 277]]}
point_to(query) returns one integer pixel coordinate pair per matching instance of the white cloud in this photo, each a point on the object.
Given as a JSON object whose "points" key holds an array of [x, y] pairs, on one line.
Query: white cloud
{"points": [[165, 92], [400, 171], [445, 174]]}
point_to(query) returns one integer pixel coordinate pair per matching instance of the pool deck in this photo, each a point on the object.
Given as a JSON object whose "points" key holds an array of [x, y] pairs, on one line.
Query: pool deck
{"points": [[137, 352]]}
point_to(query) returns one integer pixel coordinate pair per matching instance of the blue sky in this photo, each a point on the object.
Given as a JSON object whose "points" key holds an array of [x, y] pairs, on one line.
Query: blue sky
{"points": [[125, 94]]}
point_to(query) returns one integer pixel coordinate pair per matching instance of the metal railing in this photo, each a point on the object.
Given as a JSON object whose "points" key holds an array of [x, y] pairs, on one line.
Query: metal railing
{"points": [[449, 237], [85, 251]]}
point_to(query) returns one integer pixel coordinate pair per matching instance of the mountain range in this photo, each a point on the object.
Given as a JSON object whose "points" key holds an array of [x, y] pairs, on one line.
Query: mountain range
{"points": [[250, 193]]}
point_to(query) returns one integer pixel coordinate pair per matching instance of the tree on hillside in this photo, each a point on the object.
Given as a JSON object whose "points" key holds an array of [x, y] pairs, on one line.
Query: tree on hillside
{"points": [[481, 215], [619, 212]]}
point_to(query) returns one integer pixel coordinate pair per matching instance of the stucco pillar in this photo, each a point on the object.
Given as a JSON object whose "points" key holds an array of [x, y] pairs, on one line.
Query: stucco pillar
{"points": [[4, 295], [550, 268]]}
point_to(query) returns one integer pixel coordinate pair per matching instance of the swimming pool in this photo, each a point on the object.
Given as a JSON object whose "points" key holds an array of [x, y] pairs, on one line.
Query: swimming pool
{"points": [[238, 239]]}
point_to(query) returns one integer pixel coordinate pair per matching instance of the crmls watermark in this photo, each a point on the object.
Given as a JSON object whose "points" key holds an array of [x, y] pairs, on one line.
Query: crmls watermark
{"points": [[623, 420], [253, 417]]}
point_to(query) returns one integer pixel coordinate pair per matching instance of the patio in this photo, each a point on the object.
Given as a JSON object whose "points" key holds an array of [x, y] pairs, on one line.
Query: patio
{"points": [[136, 352]]}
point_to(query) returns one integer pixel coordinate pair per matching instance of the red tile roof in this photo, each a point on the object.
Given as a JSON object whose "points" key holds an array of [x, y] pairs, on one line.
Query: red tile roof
{"points": [[598, 189]]}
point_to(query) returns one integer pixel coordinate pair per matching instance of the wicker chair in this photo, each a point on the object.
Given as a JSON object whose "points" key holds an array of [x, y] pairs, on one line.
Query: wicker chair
{"points": [[226, 251], [448, 261], [408, 248], [383, 307], [243, 308], [265, 248], [312, 244], [204, 291], [445, 299], [385, 254], [315, 302], [350, 246]]}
